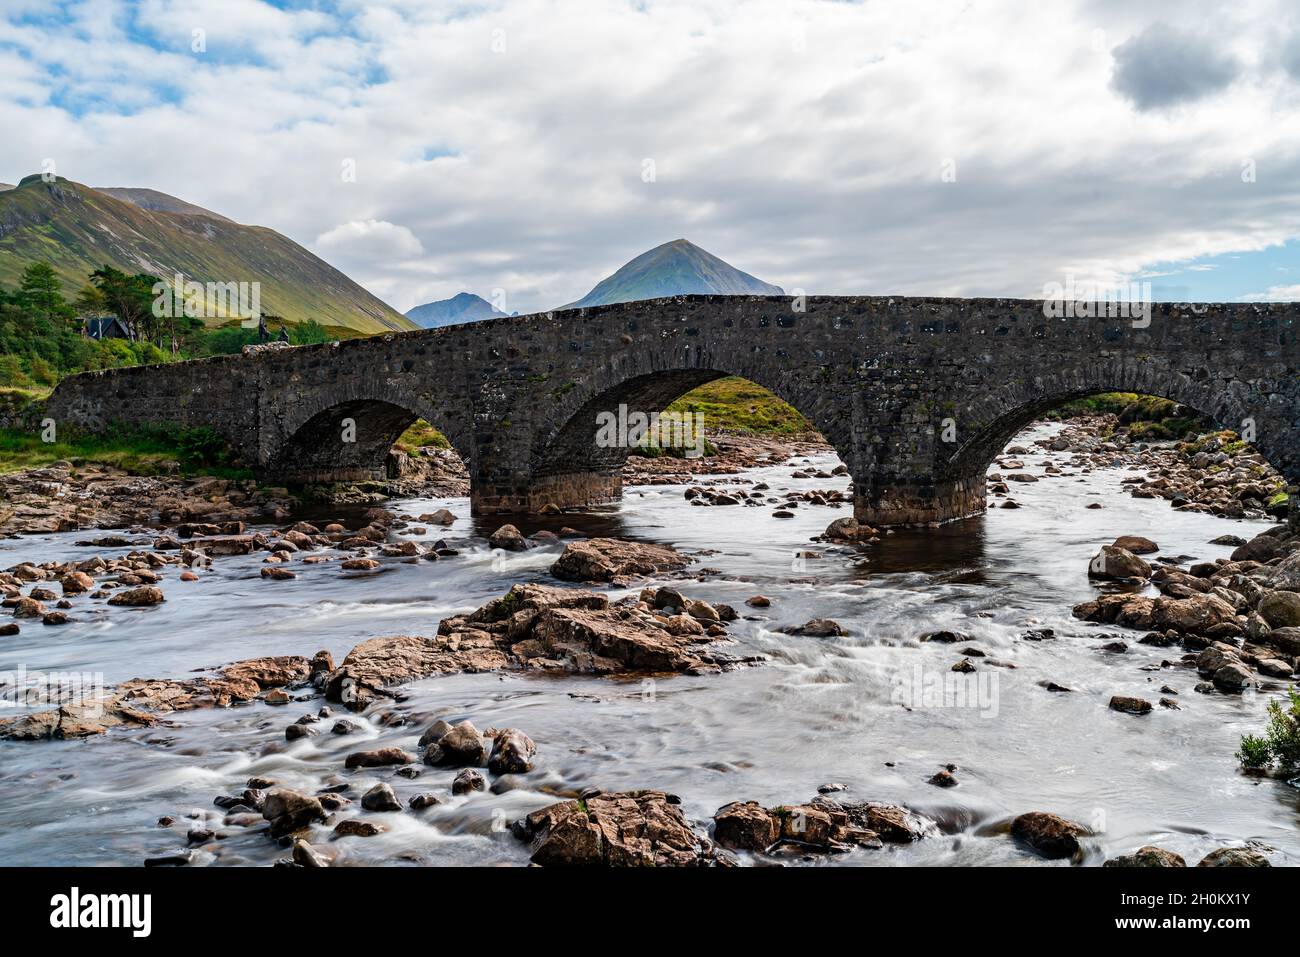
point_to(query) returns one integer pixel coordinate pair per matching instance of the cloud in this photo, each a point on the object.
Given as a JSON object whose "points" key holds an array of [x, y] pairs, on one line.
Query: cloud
{"points": [[369, 241], [1164, 66], [503, 145], [1275, 294]]}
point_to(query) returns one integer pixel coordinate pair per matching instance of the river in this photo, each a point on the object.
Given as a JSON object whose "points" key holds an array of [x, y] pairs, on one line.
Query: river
{"points": [[849, 710]]}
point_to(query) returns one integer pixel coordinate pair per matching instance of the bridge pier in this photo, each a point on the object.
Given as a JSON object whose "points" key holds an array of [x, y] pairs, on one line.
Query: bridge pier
{"points": [[919, 504]]}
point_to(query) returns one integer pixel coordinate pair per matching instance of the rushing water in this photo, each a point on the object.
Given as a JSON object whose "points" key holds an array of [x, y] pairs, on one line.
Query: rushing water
{"points": [[821, 710]]}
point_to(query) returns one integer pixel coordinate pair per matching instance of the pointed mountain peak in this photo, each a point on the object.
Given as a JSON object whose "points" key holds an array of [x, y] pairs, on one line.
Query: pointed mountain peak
{"points": [[676, 268]]}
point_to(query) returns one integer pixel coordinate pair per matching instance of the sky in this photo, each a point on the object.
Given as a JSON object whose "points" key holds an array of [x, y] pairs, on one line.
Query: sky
{"points": [[525, 149]]}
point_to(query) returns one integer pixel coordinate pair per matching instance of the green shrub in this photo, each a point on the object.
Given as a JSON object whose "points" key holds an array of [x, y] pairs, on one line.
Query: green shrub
{"points": [[1280, 744]]}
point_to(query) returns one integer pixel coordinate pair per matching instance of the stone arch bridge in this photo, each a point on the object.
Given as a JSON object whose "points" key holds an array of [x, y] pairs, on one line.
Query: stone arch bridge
{"points": [[917, 395]]}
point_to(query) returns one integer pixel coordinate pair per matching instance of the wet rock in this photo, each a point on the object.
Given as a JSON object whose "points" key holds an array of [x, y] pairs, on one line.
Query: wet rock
{"points": [[1117, 563], [1136, 544], [55, 618], [137, 597], [468, 780], [383, 757], [304, 855], [1234, 857], [512, 752], [359, 564], [758, 601], [275, 573], [605, 559], [1232, 677], [625, 829], [381, 798], [746, 826], [1148, 856], [1051, 836], [817, 628], [509, 538], [289, 811], [1281, 609], [427, 799], [849, 529], [1129, 705], [434, 733], [8, 629], [462, 746], [76, 583], [27, 607], [355, 827], [965, 666], [944, 779], [344, 726]]}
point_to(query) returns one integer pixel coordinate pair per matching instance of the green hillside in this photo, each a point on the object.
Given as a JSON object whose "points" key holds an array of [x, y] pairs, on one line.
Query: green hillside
{"points": [[78, 229]]}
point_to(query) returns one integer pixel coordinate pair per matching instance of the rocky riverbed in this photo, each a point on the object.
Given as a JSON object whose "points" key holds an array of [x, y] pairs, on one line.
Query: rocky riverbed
{"points": [[656, 685]]}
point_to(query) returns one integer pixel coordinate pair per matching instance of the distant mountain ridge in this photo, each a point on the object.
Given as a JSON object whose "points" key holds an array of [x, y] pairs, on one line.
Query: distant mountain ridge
{"points": [[462, 307], [77, 229], [677, 268], [158, 202]]}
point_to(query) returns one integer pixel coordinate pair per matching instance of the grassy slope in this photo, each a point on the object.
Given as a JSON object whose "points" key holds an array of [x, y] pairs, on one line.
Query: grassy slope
{"points": [[77, 229]]}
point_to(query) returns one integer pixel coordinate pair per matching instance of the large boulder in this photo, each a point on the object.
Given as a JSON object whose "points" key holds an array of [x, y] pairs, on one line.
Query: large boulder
{"points": [[1281, 609], [512, 752], [1048, 834], [463, 746], [1115, 562], [509, 538], [625, 829], [746, 826], [290, 811], [607, 559]]}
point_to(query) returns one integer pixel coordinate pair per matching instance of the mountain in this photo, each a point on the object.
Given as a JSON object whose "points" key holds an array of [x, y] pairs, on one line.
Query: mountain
{"points": [[5, 186], [462, 307], [158, 202], [677, 268], [78, 229]]}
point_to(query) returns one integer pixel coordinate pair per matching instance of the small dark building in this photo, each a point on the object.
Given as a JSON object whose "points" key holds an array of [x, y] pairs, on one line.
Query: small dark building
{"points": [[106, 327]]}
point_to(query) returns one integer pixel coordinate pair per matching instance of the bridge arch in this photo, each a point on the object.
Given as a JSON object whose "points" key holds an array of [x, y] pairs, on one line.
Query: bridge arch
{"points": [[990, 420], [345, 435], [572, 465]]}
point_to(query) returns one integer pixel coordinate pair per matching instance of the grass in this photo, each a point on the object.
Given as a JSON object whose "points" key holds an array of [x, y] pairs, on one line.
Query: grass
{"points": [[1280, 744], [138, 452], [1147, 417], [734, 404], [420, 435]]}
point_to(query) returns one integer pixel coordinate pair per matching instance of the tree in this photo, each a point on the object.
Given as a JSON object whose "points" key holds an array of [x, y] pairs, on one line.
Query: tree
{"points": [[131, 299], [40, 291]]}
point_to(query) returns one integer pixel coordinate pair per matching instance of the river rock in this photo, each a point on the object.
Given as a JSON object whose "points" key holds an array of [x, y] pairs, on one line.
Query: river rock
{"points": [[1115, 562], [1281, 609], [1148, 856], [468, 780], [1051, 836], [383, 757], [624, 829], [509, 538], [381, 798], [145, 595], [460, 747], [607, 559], [356, 827], [512, 752], [304, 855], [745, 826], [1234, 857], [26, 607], [290, 811], [818, 628], [849, 529], [1136, 544], [76, 583], [1130, 705]]}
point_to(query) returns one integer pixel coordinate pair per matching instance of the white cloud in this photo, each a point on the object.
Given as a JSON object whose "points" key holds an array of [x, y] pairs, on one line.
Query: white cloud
{"points": [[1275, 294], [501, 144]]}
